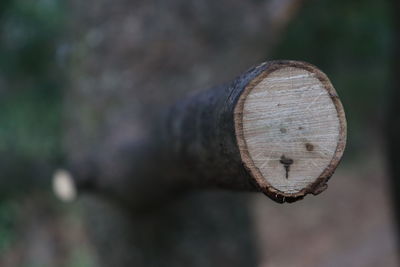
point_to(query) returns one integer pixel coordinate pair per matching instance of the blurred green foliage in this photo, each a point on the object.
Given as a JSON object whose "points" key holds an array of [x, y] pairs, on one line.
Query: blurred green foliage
{"points": [[31, 81], [351, 42], [30, 78], [7, 224]]}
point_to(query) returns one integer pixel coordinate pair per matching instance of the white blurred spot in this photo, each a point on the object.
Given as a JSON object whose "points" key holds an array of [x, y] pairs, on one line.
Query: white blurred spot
{"points": [[64, 186]]}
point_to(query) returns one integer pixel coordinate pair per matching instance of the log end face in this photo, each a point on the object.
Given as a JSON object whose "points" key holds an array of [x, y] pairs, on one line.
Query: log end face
{"points": [[291, 130]]}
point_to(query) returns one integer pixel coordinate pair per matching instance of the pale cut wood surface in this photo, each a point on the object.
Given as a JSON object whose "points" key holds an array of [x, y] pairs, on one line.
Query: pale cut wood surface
{"points": [[292, 131]]}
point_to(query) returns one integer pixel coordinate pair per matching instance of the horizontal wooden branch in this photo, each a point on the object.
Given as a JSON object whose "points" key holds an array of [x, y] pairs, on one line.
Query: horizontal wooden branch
{"points": [[279, 128]]}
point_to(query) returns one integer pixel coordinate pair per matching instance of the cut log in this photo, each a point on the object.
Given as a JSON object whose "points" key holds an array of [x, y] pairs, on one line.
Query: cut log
{"points": [[291, 130], [129, 59], [279, 128]]}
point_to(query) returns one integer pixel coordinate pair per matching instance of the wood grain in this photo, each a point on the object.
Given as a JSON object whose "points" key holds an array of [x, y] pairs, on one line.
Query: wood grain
{"points": [[291, 130]]}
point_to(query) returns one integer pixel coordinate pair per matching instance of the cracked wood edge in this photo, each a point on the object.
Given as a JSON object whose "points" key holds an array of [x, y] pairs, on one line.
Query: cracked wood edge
{"points": [[285, 175]]}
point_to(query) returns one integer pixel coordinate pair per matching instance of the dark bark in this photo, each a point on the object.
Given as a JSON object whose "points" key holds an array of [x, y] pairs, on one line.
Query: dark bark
{"points": [[193, 144], [129, 59]]}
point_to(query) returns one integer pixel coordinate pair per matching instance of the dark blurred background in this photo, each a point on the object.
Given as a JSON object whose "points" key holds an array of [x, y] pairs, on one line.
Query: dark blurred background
{"points": [[351, 224]]}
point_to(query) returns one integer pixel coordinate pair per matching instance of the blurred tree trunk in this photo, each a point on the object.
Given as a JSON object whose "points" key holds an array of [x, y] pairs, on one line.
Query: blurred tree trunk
{"points": [[128, 59], [393, 116]]}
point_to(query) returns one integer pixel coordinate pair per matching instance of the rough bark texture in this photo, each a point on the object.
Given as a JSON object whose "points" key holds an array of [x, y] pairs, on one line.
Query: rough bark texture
{"points": [[129, 59], [193, 143], [198, 143]]}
